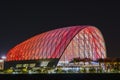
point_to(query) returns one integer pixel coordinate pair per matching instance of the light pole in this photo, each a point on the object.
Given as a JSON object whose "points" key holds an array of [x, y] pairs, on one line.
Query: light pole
{"points": [[3, 57]]}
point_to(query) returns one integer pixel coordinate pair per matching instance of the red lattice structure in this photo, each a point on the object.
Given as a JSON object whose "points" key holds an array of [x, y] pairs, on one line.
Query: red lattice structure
{"points": [[64, 43]]}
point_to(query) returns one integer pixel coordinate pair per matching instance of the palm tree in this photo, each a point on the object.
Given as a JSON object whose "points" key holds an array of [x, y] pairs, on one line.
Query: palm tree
{"points": [[100, 60], [76, 60], [107, 60], [87, 60], [117, 60]]}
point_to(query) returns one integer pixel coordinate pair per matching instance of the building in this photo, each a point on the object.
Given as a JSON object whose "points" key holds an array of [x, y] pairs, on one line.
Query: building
{"points": [[58, 47], [1, 64]]}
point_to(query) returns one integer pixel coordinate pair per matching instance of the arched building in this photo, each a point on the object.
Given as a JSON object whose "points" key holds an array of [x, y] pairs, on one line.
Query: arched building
{"points": [[59, 45]]}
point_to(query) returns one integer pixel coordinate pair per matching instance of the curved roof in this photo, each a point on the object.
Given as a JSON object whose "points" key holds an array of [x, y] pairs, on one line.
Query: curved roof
{"points": [[51, 44]]}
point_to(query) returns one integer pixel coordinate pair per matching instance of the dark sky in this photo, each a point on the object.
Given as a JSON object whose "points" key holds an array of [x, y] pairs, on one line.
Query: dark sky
{"points": [[22, 20]]}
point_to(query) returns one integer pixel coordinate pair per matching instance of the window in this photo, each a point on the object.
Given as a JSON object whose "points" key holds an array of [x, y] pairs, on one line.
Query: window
{"points": [[44, 63], [18, 65], [25, 65], [32, 65]]}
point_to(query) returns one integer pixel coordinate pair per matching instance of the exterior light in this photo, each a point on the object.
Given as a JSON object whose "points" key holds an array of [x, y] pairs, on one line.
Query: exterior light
{"points": [[3, 57]]}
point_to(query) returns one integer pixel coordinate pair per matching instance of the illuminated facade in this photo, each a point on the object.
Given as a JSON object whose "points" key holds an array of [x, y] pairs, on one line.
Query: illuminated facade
{"points": [[63, 44]]}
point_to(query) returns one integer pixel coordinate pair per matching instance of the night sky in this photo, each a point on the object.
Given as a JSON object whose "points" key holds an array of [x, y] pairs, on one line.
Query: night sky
{"points": [[22, 20]]}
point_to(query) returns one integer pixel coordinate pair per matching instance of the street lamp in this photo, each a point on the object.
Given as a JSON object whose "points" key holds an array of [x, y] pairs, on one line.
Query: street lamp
{"points": [[3, 57]]}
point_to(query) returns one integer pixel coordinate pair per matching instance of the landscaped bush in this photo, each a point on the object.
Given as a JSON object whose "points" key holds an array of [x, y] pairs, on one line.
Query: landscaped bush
{"points": [[59, 70], [70, 71], [24, 70], [99, 70], [8, 71], [83, 70], [92, 70]]}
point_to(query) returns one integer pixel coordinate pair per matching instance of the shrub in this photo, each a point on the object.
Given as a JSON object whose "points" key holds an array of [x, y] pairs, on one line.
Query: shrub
{"points": [[8, 71]]}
